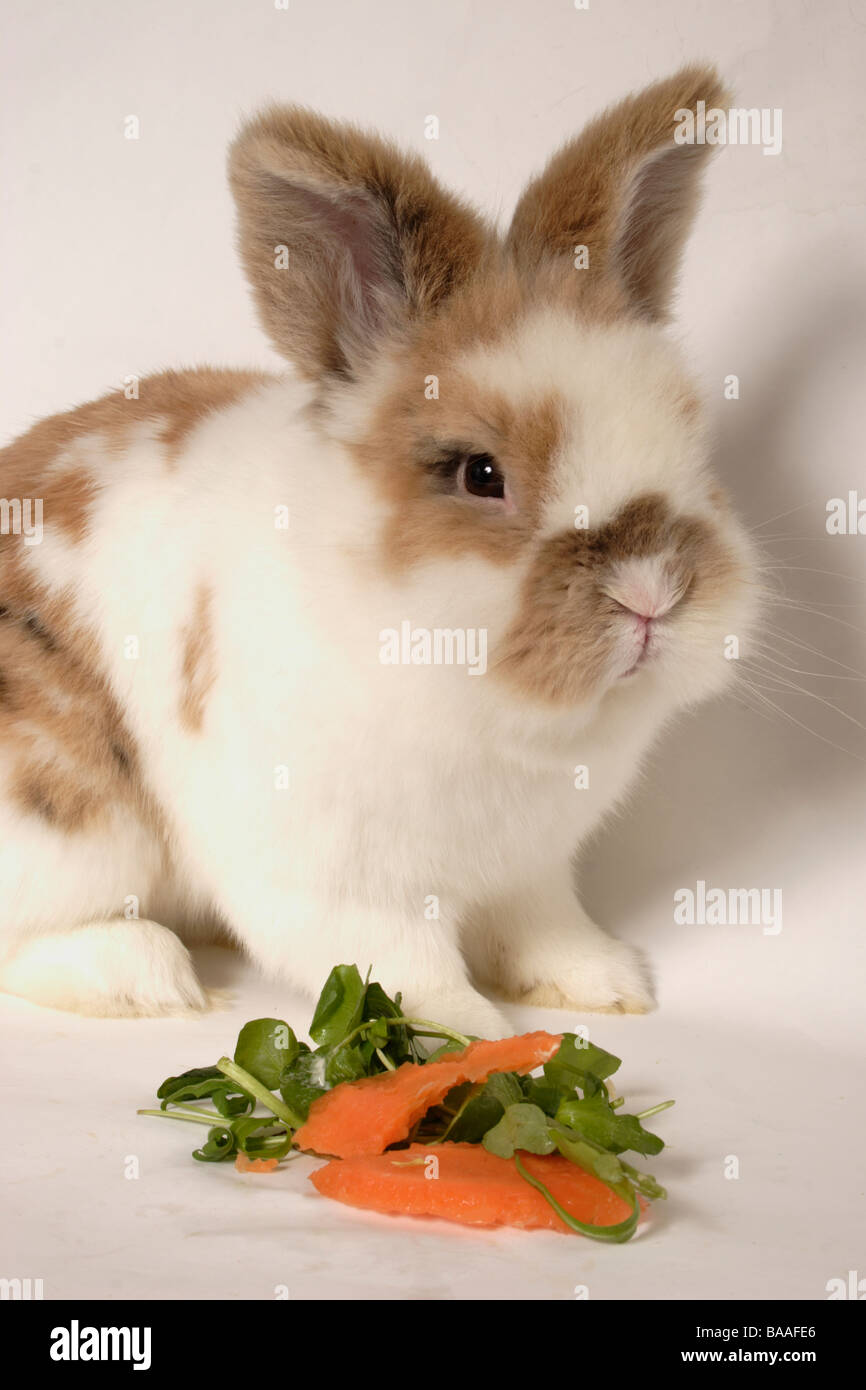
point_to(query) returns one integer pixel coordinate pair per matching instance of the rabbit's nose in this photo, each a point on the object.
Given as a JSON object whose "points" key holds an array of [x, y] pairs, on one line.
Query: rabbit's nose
{"points": [[645, 608], [645, 588]]}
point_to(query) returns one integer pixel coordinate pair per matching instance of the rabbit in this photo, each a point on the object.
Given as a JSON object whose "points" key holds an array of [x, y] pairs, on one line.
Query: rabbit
{"points": [[347, 664]]}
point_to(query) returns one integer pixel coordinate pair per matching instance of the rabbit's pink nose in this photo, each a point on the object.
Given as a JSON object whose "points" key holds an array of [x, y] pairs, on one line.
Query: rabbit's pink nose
{"points": [[643, 611], [645, 593]]}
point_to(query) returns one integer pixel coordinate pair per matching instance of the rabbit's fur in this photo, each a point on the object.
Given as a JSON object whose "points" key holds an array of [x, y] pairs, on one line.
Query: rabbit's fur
{"points": [[198, 730]]}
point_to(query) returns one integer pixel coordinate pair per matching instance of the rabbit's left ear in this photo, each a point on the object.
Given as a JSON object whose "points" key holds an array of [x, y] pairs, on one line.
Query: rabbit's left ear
{"points": [[344, 238], [624, 189]]}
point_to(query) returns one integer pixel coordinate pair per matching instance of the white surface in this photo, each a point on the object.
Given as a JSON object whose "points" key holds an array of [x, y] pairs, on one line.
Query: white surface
{"points": [[118, 258], [775, 1086]]}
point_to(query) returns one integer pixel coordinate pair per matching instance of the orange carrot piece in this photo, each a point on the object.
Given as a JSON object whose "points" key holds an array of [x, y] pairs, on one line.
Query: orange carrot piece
{"points": [[364, 1117], [473, 1187], [255, 1165]]}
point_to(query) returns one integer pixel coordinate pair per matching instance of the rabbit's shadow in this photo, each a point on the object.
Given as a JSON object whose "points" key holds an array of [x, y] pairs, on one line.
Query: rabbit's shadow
{"points": [[729, 779]]}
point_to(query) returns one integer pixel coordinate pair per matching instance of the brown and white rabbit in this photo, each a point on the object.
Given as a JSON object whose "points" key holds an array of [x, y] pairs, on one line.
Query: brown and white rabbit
{"points": [[316, 657]]}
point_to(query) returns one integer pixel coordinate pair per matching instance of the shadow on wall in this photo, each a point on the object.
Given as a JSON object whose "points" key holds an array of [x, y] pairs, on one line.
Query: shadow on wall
{"points": [[738, 783]]}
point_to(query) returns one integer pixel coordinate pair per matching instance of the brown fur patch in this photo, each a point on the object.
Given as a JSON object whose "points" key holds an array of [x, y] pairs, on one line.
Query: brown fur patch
{"points": [[560, 643], [176, 400], [67, 498], [198, 664], [73, 757]]}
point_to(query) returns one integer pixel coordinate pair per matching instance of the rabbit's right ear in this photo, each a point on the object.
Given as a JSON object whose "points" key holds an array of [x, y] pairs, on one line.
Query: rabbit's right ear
{"points": [[625, 190], [344, 238]]}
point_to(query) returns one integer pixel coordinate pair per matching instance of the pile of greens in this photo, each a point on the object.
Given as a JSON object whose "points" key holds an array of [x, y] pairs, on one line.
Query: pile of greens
{"points": [[360, 1031]]}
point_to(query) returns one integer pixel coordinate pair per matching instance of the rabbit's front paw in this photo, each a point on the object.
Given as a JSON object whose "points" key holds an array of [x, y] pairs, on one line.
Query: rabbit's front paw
{"points": [[609, 977], [466, 1011], [110, 969]]}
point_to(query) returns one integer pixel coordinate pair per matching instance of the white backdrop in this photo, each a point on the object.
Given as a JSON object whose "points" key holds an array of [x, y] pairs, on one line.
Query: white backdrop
{"points": [[117, 257]]}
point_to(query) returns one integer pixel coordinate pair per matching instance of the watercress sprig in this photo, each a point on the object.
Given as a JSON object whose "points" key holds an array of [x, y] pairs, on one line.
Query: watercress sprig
{"points": [[360, 1031]]}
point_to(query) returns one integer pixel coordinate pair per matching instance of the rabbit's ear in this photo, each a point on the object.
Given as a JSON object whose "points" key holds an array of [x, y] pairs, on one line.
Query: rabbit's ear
{"points": [[624, 189], [343, 237]]}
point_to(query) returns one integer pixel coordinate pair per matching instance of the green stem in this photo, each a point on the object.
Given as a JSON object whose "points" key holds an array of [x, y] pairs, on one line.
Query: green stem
{"points": [[656, 1109], [438, 1030], [615, 1235], [385, 1060], [198, 1117], [249, 1083]]}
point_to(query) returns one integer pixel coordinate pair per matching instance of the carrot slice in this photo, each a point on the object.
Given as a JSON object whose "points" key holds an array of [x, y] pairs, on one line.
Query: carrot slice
{"points": [[471, 1186], [255, 1165], [364, 1117]]}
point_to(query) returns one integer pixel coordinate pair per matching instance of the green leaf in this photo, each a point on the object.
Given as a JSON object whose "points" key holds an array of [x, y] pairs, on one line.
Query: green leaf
{"points": [[228, 1097], [588, 1156], [541, 1092], [580, 1063], [594, 1119], [450, 1046], [303, 1081], [504, 1086], [482, 1107], [585, 1056], [345, 1064], [396, 1043], [189, 1078], [265, 1047], [377, 1004], [340, 1007], [522, 1126]]}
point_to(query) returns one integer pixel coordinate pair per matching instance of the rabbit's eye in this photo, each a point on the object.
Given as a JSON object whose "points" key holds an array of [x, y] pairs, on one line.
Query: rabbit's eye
{"points": [[481, 477]]}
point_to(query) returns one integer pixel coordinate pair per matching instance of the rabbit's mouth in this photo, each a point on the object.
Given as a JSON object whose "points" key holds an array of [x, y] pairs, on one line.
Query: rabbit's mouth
{"points": [[645, 656], [645, 641], [641, 625]]}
